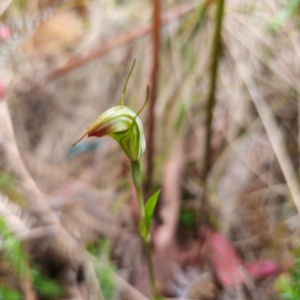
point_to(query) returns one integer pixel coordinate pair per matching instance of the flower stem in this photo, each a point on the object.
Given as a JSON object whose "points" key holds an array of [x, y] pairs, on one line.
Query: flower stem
{"points": [[150, 268], [137, 181]]}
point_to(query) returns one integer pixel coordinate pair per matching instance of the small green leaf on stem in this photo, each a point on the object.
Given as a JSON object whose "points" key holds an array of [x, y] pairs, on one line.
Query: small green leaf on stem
{"points": [[145, 224]]}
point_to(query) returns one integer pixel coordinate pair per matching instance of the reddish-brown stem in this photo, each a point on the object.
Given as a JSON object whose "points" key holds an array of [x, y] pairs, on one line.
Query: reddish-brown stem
{"points": [[154, 79], [128, 37]]}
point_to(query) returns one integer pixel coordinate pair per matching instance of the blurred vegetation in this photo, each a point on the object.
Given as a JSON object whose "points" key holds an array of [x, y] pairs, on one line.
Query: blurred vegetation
{"points": [[15, 256], [223, 131], [288, 285], [104, 269]]}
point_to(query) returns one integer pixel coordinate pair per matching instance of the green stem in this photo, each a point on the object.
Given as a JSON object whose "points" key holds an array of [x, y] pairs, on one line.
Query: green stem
{"points": [[137, 181], [210, 103], [150, 268], [211, 100]]}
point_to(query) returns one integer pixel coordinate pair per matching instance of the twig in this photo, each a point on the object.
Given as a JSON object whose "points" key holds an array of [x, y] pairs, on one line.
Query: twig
{"points": [[154, 77], [76, 61]]}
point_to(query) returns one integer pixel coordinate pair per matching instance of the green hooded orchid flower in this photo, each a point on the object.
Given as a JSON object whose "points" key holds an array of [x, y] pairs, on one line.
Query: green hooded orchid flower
{"points": [[122, 124]]}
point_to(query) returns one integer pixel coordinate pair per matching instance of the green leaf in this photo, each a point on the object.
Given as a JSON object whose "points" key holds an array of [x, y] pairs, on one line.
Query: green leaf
{"points": [[45, 286], [145, 224], [8, 293], [291, 9]]}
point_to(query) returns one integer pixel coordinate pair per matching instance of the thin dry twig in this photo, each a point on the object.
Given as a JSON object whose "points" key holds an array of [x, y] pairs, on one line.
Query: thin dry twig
{"points": [[154, 79], [76, 61]]}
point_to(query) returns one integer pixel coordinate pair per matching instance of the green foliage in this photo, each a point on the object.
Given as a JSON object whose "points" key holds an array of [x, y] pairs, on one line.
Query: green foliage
{"points": [[289, 286], [187, 218], [14, 255], [200, 16], [18, 2], [19, 5], [12, 249], [291, 9], [18, 260], [145, 224], [104, 269], [45, 286], [8, 293], [8, 188], [5, 181]]}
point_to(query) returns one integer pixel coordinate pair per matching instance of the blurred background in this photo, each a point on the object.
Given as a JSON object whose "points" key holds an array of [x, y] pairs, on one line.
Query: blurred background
{"points": [[222, 131]]}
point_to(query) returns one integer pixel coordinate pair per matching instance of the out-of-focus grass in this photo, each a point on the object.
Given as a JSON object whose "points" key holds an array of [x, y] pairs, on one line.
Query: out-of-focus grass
{"points": [[16, 257], [104, 269], [243, 158], [290, 10]]}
